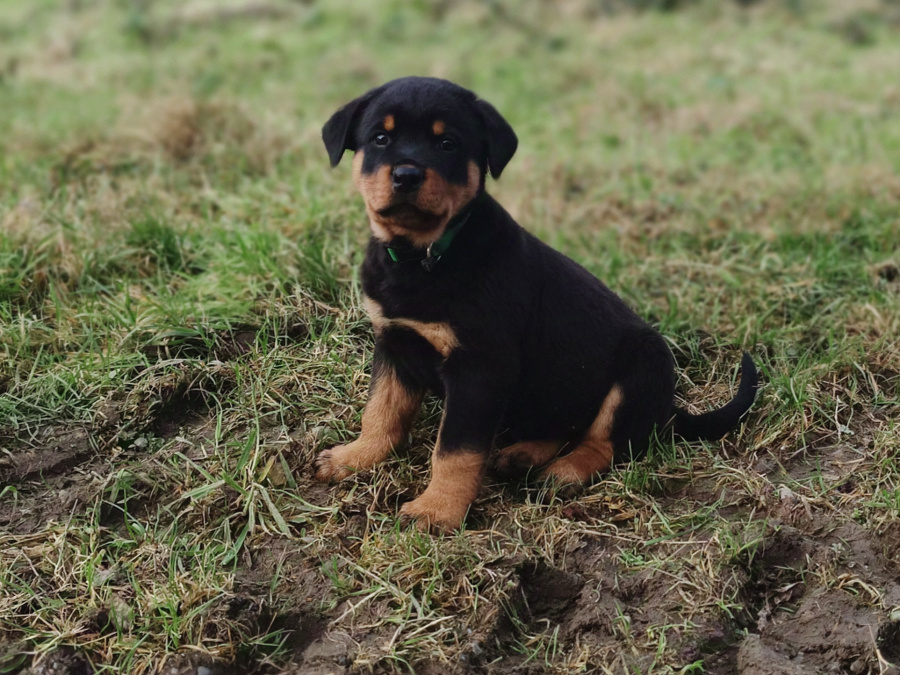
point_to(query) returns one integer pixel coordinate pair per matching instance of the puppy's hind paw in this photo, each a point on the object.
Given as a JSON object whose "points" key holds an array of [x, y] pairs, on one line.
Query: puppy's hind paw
{"points": [[518, 459]]}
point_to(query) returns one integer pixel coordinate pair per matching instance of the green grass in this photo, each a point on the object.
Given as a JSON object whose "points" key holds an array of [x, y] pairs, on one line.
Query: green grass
{"points": [[181, 331]]}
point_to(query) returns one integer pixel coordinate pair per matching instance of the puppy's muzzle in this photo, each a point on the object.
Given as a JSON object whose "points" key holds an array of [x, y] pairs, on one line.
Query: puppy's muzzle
{"points": [[407, 178]]}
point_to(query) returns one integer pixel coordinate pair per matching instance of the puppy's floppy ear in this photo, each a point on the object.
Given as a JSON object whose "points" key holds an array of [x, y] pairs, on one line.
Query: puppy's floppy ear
{"points": [[501, 139], [339, 130]]}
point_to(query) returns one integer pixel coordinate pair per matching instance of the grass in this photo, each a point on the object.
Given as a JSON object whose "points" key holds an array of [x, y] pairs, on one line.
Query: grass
{"points": [[181, 332]]}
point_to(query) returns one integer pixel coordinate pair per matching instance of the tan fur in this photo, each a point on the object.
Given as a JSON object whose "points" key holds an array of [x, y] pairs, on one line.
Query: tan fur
{"points": [[389, 123], [438, 127], [520, 456], [455, 480], [436, 197], [438, 334], [375, 313], [595, 452], [386, 420], [377, 193]]}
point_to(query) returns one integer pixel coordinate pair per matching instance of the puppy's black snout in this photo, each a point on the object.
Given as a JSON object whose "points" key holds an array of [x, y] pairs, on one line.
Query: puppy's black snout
{"points": [[407, 178]]}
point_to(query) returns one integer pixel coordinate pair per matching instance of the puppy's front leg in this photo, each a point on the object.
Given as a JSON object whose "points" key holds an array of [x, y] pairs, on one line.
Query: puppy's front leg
{"points": [[472, 409], [386, 421], [455, 480]]}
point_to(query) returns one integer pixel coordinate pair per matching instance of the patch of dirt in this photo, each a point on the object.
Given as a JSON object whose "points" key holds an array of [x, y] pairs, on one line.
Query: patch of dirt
{"points": [[816, 592], [49, 474], [53, 497], [52, 452], [194, 664], [799, 624], [252, 617], [829, 627], [889, 542], [183, 408], [862, 555], [179, 398], [302, 590], [775, 576], [547, 593], [816, 598], [63, 661], [888, 642], [889, 272], [221, 345], [756, 658]]}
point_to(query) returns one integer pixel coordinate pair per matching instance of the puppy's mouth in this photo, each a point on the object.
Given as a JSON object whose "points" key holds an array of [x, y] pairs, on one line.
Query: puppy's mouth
{"points": [[418, 214], [400, 205], [407, 214]]}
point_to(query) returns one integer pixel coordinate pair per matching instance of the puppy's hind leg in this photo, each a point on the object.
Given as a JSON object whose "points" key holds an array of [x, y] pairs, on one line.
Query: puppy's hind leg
{"points": [[640, 401], [518, 458], [594, 453]]}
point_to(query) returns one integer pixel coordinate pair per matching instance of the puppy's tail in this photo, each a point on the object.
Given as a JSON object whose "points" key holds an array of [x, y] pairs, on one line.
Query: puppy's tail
{"points": [[711, 426]]}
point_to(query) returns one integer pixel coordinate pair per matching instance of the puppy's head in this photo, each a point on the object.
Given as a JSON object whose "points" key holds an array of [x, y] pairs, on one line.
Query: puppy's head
{"points": [[423, 147]]}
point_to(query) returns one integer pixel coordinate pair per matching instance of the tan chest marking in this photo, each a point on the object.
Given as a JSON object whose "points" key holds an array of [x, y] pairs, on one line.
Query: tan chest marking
{"points": [[438, 334]]}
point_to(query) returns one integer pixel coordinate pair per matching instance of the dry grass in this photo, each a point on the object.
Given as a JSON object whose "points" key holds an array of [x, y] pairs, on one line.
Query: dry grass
{"points": [[181, 333]]}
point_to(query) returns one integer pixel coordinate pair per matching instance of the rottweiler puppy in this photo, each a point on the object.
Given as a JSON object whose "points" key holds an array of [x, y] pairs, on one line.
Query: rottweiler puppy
{"points": [[527, 348]]}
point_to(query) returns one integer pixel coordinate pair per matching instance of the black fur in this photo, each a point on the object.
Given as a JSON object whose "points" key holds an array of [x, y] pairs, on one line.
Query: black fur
{"points": [[541, 340]]}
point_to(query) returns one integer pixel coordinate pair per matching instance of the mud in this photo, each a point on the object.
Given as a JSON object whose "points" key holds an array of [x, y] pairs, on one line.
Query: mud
{"points": [[816, 593], [64, 661], [53, 451]]}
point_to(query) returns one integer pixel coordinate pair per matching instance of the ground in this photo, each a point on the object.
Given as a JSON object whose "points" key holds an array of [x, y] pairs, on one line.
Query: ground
{"points": [[181, 333]]}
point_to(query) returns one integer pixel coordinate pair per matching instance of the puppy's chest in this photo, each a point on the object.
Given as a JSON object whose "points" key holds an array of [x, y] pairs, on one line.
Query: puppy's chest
{"points": [[439, 334]]}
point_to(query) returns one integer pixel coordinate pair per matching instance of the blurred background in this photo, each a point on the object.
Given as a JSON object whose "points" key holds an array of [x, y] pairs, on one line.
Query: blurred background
{"points": [[637, 117], [181, 332]]}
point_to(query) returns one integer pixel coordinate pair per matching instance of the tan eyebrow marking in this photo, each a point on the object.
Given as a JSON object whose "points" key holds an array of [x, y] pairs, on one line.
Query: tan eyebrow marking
{"points": [[438, 127], [389, 123]]}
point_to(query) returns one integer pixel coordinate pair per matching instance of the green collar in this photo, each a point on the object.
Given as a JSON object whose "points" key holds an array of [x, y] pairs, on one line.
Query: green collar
{"points": [[435, 250]]}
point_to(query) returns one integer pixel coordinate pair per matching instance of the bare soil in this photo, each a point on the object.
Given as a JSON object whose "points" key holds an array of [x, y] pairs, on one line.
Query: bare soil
{"points": [[813, 592]]}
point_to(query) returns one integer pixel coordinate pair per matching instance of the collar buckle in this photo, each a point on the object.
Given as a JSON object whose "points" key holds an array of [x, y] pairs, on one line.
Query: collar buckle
{"points": [[430, 260]]}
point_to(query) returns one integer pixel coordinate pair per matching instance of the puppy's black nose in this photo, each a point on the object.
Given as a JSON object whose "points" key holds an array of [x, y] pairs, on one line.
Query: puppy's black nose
{"points": [[407, 178]]}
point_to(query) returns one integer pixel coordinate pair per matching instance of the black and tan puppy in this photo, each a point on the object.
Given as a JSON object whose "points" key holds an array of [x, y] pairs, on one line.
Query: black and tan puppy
{"points": [[527, 349]]}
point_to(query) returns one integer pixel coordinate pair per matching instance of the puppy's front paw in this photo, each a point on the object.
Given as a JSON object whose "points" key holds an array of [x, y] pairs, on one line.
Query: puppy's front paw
{"points": [[336, 463], [433, 512], [564, 477]]}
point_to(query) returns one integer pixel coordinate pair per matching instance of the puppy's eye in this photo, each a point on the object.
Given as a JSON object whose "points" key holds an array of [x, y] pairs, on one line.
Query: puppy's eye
{"points": [[448, 145], [381, 139]]}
